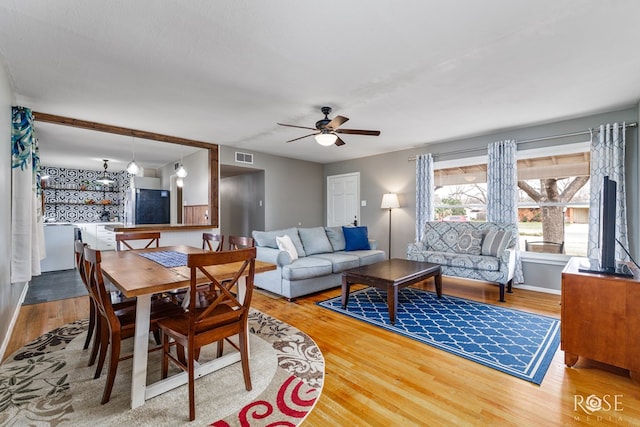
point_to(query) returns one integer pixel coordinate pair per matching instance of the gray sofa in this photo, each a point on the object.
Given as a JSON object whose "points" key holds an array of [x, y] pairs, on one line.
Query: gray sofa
{"points": [[473, 250], [321, 260]]}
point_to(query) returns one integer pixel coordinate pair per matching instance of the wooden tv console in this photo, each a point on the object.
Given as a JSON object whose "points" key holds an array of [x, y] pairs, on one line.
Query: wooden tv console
{"points": [[600, 318]]}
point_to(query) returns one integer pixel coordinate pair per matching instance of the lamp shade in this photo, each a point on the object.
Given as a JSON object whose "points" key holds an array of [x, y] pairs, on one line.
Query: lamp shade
{"points": [[105, 180], [326, 139], [390, 201]]}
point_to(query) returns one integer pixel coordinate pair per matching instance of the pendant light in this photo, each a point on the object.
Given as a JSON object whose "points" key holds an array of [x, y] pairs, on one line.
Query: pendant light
{"points": [[105, 180], [133, 167], [181, 171]]}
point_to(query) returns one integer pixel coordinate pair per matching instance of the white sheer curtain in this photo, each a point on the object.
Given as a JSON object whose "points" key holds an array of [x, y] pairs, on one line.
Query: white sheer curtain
{"points": [[607, 159], [27, 232], [502, 189], [424, 192]]}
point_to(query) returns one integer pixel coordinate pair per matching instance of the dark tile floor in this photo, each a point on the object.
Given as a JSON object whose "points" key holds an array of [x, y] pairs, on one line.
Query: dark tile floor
{"points": [[55, 285]]}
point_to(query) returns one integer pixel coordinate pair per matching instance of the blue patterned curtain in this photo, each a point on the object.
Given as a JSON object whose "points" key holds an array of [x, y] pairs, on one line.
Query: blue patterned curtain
{"points": [[27, 232], [502, 190], [424, 192], [607, 159]]}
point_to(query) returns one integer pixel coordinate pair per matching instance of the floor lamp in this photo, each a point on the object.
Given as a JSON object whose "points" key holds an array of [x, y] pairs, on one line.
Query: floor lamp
{"points": [[390, 201]]}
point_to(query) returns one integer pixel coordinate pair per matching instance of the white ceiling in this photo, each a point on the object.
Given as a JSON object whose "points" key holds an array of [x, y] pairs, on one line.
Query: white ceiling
{"points": [[420, 71]]}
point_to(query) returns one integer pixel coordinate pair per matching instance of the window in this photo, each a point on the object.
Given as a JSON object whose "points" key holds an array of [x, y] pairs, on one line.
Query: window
{"points": [[553, 196]]}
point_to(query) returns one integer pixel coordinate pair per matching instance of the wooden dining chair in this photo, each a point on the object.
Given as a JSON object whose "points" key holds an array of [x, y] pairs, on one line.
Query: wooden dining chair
{"points": [[78, 248], [240, 242], [152, 239], [226, 315], [94, 314], [117, 324], [208, 239]]}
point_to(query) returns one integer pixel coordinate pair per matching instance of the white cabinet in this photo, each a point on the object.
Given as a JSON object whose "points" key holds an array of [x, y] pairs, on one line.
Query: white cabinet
{"points": [[97, 236]]}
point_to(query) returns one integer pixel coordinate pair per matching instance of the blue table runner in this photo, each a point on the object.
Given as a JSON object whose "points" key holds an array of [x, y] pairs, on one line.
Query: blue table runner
{"points": [[167, 259]]}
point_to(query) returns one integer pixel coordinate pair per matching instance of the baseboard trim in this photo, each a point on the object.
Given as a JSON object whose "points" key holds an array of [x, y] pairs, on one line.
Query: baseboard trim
{"points": [[14, 319], [538, 289]]}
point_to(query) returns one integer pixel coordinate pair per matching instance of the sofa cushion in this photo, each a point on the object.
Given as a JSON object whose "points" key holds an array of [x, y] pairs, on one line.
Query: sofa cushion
{"points": [[285, 244], [336, 237], [306, 268], [470, 241], [356, 238], [441, 236], [495, 242], [367, 257], [340, 261], [268, 238], [315, 240], [472, 262]]}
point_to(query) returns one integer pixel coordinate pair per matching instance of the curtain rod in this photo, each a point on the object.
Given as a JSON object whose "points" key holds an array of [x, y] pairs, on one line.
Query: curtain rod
{"points": [[524, 141]]}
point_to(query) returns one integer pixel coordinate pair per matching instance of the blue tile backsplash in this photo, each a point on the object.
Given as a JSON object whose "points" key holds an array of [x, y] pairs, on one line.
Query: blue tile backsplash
{"points": [[72, 195]]}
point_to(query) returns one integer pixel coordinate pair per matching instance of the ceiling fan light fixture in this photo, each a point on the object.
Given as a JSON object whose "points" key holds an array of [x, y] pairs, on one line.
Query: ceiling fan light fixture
{"points": [[326, 138]]}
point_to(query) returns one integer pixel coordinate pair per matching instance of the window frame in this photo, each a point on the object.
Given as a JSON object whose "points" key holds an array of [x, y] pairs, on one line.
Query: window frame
{"points": [[523, 154]]}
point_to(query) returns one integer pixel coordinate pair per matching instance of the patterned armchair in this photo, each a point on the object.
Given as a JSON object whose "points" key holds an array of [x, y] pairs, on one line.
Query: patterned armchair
{"points": [[472, 250]]}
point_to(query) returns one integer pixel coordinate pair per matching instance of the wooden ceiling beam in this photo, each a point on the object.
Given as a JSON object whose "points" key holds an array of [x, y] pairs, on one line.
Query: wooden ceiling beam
{"points": [[84, 124]]}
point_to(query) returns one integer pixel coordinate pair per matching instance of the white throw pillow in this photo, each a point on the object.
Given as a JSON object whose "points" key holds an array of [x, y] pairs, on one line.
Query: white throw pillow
{"points": [[286, 244]]}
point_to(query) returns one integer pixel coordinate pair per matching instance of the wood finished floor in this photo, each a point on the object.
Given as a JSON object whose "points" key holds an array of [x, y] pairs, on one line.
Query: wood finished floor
{"points": [[376, 378]]}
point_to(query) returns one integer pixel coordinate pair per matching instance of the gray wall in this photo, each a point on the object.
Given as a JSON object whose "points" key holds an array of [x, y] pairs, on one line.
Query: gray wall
{"points": [[393, 172], [9, 293], [294, 189], [241, 210]]}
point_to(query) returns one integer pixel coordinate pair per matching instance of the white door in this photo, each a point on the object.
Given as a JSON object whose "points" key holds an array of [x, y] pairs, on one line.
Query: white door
{"points": [[343, 199]]}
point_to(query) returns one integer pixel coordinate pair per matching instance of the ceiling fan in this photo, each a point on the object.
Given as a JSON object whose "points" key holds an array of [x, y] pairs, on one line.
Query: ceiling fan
{"points": [[326, 129]]}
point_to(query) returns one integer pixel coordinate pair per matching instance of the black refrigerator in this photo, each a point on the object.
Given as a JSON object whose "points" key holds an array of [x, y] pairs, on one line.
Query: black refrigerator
{"points": [[144, 206]]}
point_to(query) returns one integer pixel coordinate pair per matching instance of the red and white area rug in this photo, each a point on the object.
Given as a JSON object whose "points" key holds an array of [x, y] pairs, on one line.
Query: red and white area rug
{"points": [[47, 382]]}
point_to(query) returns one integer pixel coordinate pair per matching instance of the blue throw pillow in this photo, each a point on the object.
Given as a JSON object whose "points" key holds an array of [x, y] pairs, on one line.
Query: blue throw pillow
{"points": [[356, 238]]}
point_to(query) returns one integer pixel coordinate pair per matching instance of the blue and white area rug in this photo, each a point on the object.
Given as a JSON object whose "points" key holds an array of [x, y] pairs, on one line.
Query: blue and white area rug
{"points": [[512, 341]]}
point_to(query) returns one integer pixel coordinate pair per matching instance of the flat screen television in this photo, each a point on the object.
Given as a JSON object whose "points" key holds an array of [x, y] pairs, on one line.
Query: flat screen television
{"points": [[606, 261]]}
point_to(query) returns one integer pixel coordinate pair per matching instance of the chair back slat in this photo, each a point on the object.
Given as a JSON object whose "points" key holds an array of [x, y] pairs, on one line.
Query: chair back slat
{"points": [[219, 292], [97, 287], [209, 238], [78, 249], [123, 239], [240, 242]]}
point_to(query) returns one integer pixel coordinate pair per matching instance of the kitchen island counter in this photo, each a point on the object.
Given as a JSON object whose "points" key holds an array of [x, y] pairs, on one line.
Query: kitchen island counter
{"points": [[120, 228], [170, 234]]}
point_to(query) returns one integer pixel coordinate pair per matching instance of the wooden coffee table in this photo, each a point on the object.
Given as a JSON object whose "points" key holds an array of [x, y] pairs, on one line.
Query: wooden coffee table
{"points": [[391, 275]]}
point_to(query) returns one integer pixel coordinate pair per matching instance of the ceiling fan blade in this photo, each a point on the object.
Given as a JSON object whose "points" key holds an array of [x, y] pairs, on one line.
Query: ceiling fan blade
{"points": [[339, 141], [311, 134], [336, 122], [294, 126], [359, 132]]}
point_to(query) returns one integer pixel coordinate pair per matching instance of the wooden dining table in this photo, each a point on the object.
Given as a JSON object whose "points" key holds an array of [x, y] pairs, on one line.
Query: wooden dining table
{"points": [[140, 277]]}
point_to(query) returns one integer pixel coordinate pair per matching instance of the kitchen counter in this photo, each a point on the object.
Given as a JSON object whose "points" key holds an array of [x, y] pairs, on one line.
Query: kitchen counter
{"points": [[118, 228], [170, 234]]}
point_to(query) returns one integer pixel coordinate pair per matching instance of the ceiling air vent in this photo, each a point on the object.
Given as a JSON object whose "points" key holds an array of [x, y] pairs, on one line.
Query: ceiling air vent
{"points": [[244, 158]]}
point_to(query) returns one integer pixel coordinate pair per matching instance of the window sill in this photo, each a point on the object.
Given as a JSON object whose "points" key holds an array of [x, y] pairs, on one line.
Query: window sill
{"points": [[544, 258]]}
